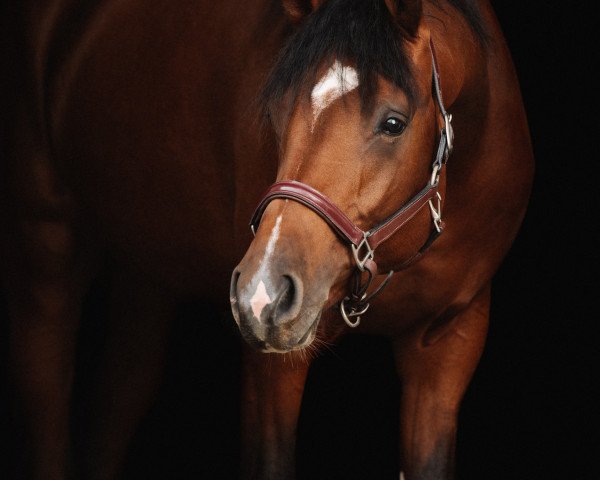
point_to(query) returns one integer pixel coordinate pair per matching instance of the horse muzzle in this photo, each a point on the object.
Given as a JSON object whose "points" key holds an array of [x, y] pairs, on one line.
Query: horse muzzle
{"points": [[271, 309]]}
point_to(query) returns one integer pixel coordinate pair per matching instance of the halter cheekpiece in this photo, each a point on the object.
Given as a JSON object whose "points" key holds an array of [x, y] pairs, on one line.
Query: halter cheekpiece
{"points": [[363, 244]]}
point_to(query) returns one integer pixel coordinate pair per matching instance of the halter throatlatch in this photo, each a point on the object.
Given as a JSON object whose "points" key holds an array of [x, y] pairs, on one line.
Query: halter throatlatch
{"points": [[363, 244]]}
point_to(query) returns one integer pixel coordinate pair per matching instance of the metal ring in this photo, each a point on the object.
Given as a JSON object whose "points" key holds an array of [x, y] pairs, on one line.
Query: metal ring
{"points": [[346, 316], [449, 131]]}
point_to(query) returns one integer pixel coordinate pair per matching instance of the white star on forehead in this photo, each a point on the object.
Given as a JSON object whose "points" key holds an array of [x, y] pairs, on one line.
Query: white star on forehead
{"points": [[338, 80]]}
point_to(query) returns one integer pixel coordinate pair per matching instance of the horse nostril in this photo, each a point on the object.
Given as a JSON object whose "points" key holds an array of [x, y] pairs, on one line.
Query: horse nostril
{"points": [[285, 299]]}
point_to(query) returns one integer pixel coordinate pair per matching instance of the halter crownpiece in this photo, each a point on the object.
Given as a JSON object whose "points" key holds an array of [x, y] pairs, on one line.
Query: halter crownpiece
{"points": [[363, 244]]}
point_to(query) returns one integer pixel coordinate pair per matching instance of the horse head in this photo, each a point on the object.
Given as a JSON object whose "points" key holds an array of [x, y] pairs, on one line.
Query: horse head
{"points": [[363, 135]]}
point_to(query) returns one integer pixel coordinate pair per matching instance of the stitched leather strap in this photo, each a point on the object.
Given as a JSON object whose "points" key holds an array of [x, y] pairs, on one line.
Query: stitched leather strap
{"points": [[314, 200], [386, 229], [337, 219]]}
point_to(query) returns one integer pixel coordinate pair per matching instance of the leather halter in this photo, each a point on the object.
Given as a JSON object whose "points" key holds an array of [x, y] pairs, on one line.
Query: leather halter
{"points": [[363, 244]]}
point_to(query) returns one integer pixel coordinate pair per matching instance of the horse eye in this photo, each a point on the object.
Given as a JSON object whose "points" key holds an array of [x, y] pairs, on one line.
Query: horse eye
{"points": [[392, 126]]}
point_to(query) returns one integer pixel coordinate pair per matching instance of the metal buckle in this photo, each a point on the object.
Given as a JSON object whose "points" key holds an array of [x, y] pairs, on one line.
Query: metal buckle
{"points": [[353, 313], [360, 263], [449, 133], [435, 174], [436, 213]]}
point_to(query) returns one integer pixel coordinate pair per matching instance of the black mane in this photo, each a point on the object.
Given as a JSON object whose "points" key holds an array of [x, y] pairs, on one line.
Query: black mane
{"points": [[359, 31]]}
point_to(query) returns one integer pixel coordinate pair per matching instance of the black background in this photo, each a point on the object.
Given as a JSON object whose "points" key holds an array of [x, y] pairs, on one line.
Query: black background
{"points": [[529, 411]]}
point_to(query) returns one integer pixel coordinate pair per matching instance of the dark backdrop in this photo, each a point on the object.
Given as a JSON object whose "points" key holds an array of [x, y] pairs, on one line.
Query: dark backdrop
{"points": [[529, 412]]}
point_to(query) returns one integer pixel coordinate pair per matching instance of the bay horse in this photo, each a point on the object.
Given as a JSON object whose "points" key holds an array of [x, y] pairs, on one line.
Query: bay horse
{"points": [[370, 175], [134, 136]]}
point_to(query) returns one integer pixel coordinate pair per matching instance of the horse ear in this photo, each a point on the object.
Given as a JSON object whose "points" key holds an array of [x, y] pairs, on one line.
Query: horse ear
{"points": [[407, 13], [298, 9]]}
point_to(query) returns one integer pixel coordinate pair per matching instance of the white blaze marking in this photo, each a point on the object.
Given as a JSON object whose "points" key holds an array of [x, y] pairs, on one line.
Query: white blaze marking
{"points": [[261, 298], [272, 240], [336, 82]]}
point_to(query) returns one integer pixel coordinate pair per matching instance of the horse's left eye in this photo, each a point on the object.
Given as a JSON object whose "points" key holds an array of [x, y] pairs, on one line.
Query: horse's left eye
{"points": [[392, 126]]}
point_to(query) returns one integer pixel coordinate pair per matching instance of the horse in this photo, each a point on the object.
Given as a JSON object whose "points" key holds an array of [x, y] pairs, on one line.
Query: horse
{"points": [[136, 137], [374, 186]]}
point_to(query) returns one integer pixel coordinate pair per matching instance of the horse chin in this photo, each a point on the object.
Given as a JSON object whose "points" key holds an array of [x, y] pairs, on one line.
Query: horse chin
{"points": [[297, 335]]}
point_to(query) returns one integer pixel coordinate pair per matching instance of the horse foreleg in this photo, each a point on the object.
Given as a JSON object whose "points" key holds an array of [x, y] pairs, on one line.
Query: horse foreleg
{"points": [[435, 373], [272, 389], [45, 283], [130, 374]]}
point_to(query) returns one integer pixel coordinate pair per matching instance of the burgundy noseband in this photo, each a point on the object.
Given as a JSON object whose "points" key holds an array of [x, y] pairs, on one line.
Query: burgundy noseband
{"points": [[363, 244]]}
